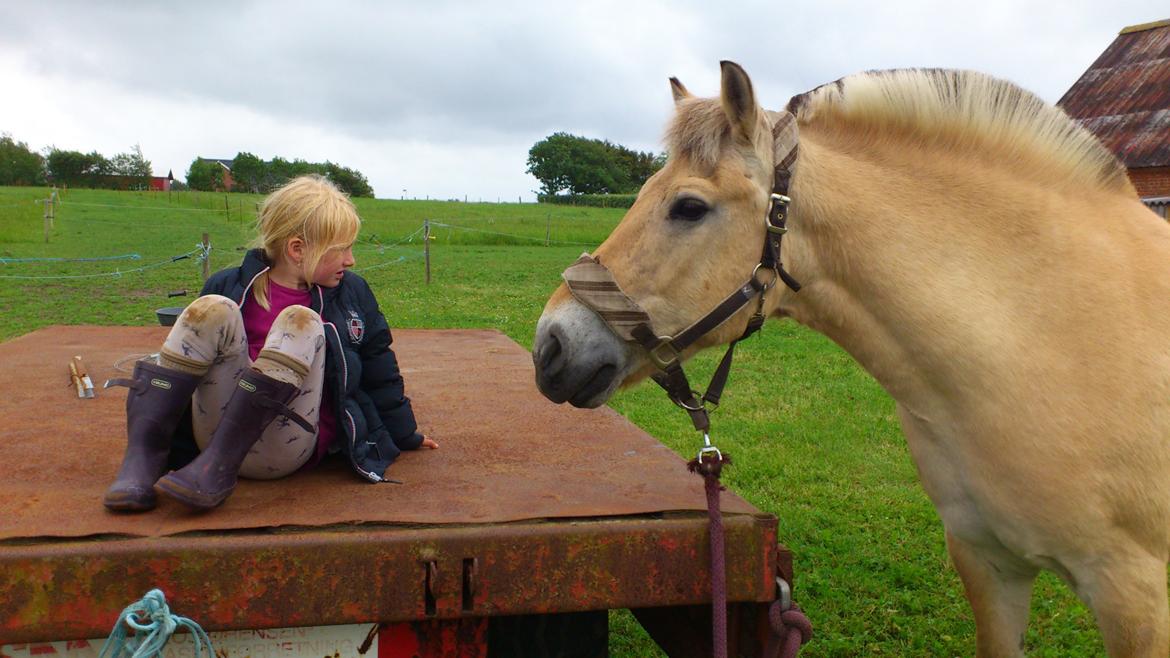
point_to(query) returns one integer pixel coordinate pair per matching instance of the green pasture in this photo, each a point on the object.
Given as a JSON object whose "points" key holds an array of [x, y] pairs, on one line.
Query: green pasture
{"points": [[815, 440]]}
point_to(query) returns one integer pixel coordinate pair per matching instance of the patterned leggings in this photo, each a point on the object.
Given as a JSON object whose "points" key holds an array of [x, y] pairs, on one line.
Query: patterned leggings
{"points": [[209, 334]]}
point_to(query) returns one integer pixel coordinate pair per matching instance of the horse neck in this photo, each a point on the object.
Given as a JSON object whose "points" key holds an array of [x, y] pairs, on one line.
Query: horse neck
{"points": [[910, 258]]}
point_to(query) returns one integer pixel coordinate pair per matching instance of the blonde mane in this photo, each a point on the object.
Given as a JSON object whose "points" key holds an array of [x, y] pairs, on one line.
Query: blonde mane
{"points": [[965, 110]]}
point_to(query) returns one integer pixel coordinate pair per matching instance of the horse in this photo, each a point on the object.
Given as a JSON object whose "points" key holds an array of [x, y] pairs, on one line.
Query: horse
{"points": [[986, 260]]}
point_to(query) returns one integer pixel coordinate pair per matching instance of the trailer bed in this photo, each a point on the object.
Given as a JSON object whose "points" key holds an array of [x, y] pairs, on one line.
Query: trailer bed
{"points": [[527, 507]]}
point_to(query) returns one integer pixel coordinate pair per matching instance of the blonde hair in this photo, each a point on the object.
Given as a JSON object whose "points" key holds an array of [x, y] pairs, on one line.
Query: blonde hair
{"points": [[964, 109], [310, 208]]}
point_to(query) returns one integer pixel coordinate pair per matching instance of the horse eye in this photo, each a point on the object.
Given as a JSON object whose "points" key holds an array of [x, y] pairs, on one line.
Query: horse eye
{"points": [[688, 209]]}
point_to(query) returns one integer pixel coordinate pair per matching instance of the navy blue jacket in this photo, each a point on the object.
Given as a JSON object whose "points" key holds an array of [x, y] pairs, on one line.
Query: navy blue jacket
{"points": [[374, 417]]}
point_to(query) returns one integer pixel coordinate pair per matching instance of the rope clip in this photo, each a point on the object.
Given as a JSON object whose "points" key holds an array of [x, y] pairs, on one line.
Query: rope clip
{"points": [[709, 449]]}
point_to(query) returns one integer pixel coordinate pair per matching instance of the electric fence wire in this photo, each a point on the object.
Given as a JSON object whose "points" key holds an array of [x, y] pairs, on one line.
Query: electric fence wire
{"points": [[373, 244], [396, 261], [513, 235], [116, 273], [129, 207], [5, 260]]}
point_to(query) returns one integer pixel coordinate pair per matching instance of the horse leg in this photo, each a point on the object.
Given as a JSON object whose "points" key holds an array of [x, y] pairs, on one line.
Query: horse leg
{"points": [[1128, 598], [999, 589]]}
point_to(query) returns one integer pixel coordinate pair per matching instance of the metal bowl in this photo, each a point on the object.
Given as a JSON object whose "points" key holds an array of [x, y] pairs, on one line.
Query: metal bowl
{"points": [[168, 315]]}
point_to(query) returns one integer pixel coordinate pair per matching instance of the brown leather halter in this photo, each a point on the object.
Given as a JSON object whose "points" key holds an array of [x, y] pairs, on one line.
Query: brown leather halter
{"points": [[592, 284]]}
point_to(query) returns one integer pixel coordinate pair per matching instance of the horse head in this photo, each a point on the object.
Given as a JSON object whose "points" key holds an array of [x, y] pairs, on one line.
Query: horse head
{"points": [[693, 235]]}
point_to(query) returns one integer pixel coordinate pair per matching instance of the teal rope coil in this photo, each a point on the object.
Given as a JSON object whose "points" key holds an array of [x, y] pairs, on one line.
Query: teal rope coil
{"points": [[153, 626]]}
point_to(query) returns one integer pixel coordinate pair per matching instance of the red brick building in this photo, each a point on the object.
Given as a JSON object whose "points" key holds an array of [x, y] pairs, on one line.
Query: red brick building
{"points": [[1124, 99]]}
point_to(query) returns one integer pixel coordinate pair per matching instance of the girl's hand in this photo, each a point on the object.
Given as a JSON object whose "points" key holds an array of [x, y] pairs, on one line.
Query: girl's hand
{"points": [[428, 443]]}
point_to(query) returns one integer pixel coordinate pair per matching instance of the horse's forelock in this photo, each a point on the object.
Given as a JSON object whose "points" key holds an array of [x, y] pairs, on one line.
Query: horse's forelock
{"points": [[700, 130]]}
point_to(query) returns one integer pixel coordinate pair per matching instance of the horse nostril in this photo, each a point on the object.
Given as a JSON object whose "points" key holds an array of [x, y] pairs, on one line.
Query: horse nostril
{"points": [[549, 351]]}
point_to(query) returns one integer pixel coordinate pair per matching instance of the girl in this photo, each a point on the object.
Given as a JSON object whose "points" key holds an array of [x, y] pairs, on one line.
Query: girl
{"points": [[288, 336]]}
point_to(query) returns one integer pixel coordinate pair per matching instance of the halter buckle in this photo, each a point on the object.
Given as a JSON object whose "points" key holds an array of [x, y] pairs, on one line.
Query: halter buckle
{"points": [[664, 363]]}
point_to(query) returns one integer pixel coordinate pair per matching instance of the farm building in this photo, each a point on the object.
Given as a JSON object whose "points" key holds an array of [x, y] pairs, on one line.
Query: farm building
{"points": [[1124, 99], [226, 164]]}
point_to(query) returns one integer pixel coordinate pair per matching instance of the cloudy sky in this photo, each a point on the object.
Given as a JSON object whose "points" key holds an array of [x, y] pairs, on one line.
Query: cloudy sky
{"points": [[443, 98]]}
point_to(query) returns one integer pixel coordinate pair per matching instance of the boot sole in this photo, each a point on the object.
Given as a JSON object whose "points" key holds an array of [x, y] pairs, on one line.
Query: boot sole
{"points": [[182, 492], [128, 501]]}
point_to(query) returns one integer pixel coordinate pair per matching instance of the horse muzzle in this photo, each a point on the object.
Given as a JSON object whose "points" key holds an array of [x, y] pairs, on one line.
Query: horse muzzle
{"points": [[577, 358]]}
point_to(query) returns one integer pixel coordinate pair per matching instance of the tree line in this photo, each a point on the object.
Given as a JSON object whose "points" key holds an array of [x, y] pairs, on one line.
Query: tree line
{"points": [[20, 165], [565, 163], [251, 174]]}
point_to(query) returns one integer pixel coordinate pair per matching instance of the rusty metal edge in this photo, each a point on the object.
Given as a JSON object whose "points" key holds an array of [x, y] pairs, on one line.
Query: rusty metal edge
{"points": [[76, 589]]}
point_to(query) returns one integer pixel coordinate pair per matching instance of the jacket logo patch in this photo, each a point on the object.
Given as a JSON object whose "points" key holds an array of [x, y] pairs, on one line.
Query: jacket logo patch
{"points": [[357, 328], [161, 383], [247, 386]]}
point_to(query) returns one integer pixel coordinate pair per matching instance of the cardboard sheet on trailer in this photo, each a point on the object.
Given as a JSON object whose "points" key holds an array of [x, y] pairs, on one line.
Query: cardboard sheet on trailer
{"points": [[507, 453]]}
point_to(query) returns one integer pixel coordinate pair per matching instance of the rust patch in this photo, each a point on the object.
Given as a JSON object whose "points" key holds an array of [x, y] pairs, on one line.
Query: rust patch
{"points": [[473, 391]]}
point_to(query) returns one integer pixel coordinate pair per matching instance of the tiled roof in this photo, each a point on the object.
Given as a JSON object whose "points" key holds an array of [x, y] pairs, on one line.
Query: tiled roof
{"points": [[1124, 97]]}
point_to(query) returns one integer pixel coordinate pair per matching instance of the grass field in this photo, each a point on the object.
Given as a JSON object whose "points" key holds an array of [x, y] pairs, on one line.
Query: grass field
{"points": [[815, 439]]}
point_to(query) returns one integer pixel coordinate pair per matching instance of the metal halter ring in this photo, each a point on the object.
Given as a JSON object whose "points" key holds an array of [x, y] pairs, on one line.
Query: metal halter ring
{"points": [[775, 276], [696, 395]]}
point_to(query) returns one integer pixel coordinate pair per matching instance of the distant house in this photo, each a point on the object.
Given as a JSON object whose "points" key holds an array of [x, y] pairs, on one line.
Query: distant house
{"points": [[119, 182], [162, 183], [1124, 99], [228, 183]]}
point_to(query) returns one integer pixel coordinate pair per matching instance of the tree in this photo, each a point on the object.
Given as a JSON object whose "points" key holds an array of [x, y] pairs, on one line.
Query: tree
{"points": [[133, 167], [350, 181], [550, 161], [205, 175], [77, 168], [564, 162], [249, 173], [19, 165]]}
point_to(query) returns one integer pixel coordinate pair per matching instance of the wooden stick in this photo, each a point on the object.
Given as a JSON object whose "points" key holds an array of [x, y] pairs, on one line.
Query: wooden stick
{"points": [[206, 257], [427, 247]]}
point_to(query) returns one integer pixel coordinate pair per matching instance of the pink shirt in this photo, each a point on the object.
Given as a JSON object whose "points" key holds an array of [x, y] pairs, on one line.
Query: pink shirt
{"points": [[257, 322]]}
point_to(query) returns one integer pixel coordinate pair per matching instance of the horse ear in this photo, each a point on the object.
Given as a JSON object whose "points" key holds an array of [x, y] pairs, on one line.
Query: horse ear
{"points": [[678, 90], [739, 101]]}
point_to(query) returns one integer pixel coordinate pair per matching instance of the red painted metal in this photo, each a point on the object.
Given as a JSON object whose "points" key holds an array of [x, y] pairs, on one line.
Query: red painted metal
{"points": [[458, 638], [317, 577]]}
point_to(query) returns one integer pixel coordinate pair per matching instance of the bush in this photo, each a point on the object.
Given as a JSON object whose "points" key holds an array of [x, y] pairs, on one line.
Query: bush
{"points": [[593, 200]]}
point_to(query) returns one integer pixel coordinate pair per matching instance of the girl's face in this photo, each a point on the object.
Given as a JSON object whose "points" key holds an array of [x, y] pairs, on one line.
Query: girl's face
{"points": [[332, 266]]}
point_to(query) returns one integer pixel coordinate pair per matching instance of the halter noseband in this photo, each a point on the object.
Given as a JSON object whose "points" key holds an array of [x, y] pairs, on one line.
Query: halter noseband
{"points": [[592, 284]]}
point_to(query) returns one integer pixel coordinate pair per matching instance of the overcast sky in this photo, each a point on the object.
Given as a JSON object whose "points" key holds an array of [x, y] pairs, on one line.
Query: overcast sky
{"points": [[443, 98]]}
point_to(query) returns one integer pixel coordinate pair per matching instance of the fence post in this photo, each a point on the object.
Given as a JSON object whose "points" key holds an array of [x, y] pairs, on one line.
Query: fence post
{"points": [[427, 247], [46, 221], [227, 211], [547, 228], [206, 257]]}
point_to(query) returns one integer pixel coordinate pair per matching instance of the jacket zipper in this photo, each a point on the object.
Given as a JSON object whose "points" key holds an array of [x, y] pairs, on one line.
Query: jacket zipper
{"points": [[372, 477], [249, 286]]}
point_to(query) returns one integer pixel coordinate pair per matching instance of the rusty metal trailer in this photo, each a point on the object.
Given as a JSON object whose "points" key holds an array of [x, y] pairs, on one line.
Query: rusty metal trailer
{"points": [[528, 512]]}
